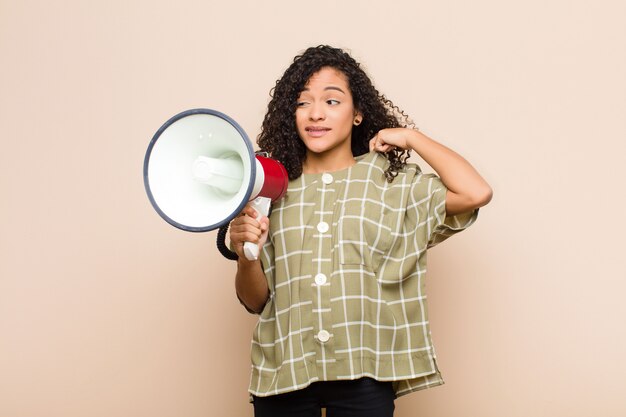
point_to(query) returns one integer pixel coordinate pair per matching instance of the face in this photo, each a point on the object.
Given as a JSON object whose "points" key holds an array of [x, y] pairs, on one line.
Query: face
{"points": [[325, 113]]}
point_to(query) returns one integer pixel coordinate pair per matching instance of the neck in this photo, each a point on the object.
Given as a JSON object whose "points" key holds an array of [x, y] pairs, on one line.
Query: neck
{"points": [[319, 163]]}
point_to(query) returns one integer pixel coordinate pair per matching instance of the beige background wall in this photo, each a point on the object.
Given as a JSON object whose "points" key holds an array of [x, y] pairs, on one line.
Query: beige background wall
{"points": [[105, 310]]}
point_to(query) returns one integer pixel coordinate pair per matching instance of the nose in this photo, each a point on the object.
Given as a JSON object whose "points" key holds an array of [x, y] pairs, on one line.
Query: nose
{"points": [[316, 112]]}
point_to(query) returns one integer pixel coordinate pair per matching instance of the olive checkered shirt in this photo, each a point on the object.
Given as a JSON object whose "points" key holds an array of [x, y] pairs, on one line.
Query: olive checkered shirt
{"points": [[346, 265]]}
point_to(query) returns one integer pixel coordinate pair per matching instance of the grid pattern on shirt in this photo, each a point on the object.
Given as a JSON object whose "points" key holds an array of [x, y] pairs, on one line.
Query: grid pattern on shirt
{"points": [[346, 262]]}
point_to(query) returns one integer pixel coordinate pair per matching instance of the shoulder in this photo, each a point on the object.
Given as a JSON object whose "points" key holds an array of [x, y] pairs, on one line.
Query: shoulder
{"points": [[374, 164]]}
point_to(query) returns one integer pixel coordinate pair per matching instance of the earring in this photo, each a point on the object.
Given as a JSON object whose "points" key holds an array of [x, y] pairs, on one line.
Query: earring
{"points": [[357, 122]]}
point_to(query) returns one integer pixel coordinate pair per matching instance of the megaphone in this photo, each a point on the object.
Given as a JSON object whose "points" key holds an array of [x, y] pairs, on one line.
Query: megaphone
{"points": [[200, 170]]}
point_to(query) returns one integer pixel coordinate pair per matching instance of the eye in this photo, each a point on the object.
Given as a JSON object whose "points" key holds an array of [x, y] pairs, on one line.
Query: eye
{"points": [[302, 103], [332, 102]]}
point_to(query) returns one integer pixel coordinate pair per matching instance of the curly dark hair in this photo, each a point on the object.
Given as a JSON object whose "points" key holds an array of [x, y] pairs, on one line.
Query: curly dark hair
{"points": [[279, 136]]}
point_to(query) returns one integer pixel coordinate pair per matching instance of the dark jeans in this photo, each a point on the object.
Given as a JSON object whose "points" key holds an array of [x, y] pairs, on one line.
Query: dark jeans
{"points": [[363, 397]]}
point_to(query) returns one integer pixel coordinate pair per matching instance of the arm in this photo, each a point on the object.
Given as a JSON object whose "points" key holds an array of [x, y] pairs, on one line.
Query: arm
{"points": [[467, 190], [250, 282]]}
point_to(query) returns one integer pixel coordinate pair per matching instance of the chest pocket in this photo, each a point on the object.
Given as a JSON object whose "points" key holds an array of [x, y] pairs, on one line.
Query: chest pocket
{"points": [[364, 233]]}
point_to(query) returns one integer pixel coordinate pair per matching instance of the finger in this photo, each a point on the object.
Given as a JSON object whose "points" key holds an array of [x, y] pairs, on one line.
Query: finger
{"points": [[385, 147], [247, 236], [381, 146], [249, 211], [239, 229], [244, 232], [238, 239], [243, 222], [246, 219], [265, 223], [373, 142]]}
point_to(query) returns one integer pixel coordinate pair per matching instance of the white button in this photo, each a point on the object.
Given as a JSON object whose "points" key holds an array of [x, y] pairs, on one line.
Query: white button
{"points": [[327, 178], [322, 227], [320, 279], [323, 336]]}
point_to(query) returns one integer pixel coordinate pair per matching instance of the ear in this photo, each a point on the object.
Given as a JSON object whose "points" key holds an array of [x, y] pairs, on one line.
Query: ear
{"points": [[358, 118]]}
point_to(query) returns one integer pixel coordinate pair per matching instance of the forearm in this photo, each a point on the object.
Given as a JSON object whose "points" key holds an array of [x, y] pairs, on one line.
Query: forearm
{"points": [[251, 284], [458, 175]]}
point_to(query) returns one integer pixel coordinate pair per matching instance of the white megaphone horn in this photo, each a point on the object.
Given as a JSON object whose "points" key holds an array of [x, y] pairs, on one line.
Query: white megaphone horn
{"points": [[200, 170]]}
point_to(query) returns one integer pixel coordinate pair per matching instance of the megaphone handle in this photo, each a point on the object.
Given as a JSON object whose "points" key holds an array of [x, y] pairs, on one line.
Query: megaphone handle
{"points": [[262, 207]]}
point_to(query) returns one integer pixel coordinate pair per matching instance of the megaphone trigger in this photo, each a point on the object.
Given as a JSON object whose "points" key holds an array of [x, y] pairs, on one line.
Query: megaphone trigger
{"points": [[262, 206]]}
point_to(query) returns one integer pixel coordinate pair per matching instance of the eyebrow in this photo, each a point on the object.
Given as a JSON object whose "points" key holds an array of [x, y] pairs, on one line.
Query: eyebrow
{"points": [[334, 88], [330, 87]]}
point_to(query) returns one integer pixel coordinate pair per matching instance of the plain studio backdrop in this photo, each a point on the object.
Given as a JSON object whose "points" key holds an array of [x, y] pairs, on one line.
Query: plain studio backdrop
{"points": [[106, 310]]}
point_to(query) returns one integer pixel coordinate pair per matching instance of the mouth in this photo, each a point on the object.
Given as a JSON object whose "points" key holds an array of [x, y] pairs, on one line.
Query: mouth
{"points": [[316, 131]]}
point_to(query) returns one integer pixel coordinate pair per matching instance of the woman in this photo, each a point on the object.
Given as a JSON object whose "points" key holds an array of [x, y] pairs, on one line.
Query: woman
{"points": [[340, 283]]}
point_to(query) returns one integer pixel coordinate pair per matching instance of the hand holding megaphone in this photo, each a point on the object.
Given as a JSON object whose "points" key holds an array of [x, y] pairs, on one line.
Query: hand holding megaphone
{"points": [[249, 231], [262, 207], [200, 170]]}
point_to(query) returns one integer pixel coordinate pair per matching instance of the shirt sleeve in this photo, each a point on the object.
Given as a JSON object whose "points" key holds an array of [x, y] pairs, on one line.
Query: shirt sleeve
{"points": [[441, 226], [267, 263]]}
